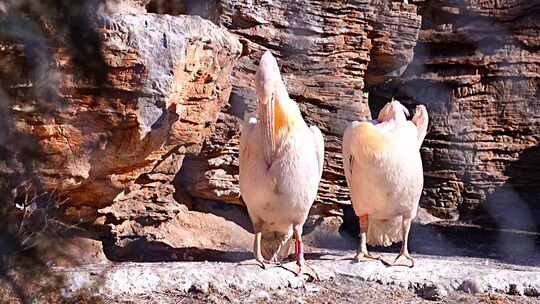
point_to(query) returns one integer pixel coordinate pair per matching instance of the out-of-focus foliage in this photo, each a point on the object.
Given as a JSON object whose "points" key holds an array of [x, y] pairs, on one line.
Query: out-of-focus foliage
{"points": [[29, 216]]}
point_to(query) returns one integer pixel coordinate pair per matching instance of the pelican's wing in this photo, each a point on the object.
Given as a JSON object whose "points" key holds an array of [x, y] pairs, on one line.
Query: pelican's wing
{"points": [[247, 128], [390, 160], [346, 153], [421, 120], [319, 147]]}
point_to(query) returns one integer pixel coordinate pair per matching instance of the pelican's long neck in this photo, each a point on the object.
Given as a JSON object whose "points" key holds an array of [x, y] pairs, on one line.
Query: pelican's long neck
{"points": [[279, 118], [279, 115]]}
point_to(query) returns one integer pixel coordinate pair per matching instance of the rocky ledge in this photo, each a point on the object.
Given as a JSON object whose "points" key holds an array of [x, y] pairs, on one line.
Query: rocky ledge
{"points": [[432, 277]]}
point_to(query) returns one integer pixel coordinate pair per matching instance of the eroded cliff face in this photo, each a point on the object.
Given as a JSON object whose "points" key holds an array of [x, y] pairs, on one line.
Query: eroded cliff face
{"points": [[328, 52], [114, 142], [477, 68], [149, 149], [159, 134]]}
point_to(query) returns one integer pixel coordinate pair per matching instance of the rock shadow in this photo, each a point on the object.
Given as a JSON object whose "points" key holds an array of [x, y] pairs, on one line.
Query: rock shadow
{"points": [[451, 239], [516, 204], [155, 251], [230, 212]]}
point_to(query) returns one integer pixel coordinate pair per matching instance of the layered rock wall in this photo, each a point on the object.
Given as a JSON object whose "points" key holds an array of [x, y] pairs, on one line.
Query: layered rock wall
{"points": [[477, 68], [157, 132], [327, 52], [122, 138]]}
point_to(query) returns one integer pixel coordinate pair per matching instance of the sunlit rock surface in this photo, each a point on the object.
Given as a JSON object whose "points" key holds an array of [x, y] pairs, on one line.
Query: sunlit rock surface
{"points": [[328, 53], [122, 138], [148, 150], [476, 67]]}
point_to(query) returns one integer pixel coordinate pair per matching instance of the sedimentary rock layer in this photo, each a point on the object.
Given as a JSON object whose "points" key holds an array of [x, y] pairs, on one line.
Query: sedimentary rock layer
{"points": [[327, 52], [477, 68], [123, 134]]}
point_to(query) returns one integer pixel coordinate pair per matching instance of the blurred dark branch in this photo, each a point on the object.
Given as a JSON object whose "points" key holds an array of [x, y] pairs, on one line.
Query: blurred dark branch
{"points": [[31, 35], [41, 26], [83, 37]]}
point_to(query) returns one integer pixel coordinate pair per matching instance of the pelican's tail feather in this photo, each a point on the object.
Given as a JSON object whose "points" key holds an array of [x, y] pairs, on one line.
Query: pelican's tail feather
{"points": [[384, 232], [276, 246]]}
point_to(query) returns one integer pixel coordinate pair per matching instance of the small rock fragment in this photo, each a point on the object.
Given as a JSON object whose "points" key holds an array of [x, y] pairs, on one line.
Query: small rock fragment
{"points": [[433, 292], [516, 290], [260, 295], [531, 292], [199, 287], [472, 286]]}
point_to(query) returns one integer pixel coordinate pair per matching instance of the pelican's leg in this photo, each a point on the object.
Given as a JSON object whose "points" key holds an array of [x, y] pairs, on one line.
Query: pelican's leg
{"points": [[300, 267], [257, 249], [362, 253], [404, 253], [259, 259]]}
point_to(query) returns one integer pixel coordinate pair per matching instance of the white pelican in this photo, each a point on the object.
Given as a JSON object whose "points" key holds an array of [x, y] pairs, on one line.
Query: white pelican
{"points": [[384, 172], [281, 163]]}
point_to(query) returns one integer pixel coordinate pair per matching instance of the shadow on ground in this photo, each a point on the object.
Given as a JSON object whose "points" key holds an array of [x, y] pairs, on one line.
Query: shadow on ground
{"points": [[460, 240], [323, 236], [508, 233]]}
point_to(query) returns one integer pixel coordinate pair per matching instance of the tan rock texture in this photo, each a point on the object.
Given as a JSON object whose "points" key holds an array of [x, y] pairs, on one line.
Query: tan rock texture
{"points": [[328, 52], [123, 138], [143, 149], [477, 68]]}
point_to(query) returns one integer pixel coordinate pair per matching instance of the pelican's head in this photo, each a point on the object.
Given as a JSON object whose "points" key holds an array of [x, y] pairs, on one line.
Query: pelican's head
{"points": [[279, 115], [268, 79], [393, 110]]}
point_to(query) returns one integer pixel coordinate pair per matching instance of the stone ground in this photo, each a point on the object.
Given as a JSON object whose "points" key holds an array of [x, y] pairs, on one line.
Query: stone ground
{"points": [[339, 290], [448, 280], [453, 264]]}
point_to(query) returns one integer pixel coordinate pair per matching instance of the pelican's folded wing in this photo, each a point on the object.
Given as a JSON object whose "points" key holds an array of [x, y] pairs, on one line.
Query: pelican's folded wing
{"points": [[346, 153], [319, 147], [421, 120]]}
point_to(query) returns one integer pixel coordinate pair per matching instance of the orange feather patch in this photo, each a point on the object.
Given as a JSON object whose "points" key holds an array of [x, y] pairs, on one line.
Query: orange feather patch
{"points": [[284, 121], [370, 139]]}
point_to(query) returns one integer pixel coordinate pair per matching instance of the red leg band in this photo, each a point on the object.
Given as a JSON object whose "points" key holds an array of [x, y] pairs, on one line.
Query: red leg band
{"points": [[299, 248]]}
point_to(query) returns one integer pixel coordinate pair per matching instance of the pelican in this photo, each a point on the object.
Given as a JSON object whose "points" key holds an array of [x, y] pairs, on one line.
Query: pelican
{"points": [[384, 172], [281, 163]]}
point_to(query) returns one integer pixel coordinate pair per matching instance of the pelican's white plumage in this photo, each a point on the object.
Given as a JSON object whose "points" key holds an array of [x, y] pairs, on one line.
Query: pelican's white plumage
{"points": [[384, 172], [281, 162]]}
